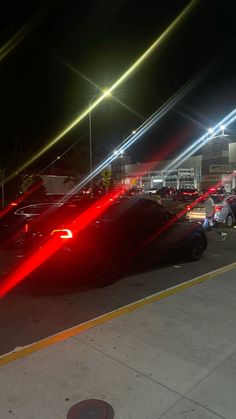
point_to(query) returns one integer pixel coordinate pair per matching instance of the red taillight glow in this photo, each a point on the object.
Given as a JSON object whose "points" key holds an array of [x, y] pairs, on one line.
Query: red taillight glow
{"points": [[52, 245], [188, 208], [26, 228], [63, 233], [218, 208], [13, 204]]}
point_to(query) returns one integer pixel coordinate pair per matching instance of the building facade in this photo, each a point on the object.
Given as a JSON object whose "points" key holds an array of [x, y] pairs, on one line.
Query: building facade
{"points": [[216, 165]]}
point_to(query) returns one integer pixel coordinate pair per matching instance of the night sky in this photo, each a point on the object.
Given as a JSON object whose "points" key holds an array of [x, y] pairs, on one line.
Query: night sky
{"points": [[45, 78]]}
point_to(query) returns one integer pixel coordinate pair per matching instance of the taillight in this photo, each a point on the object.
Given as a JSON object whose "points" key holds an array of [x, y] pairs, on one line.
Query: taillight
{"points": [[26, 228], [188, 208], [218, 208], [63, 233], [13, 204]]}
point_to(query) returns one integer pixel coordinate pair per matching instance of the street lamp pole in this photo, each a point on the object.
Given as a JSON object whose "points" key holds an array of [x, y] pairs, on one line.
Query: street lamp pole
{"points": [[105, 93], [90, 147]]}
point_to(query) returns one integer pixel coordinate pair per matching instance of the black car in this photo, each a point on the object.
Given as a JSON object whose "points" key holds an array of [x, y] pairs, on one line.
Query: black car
{"points": [[185, 195], [166, 191], [130, 232]]}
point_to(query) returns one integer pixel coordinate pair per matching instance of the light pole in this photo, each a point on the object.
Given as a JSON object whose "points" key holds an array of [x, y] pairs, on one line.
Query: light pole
{"points": [[105, 93], [222, 127], [90, 144], [210, 130]]}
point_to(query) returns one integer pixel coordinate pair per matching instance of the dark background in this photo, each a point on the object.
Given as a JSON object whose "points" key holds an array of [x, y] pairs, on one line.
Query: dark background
{"points": [[44, 86]]}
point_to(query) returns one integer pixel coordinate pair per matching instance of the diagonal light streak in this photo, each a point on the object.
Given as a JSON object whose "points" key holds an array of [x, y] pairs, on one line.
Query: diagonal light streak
{"points": [[76, 71], [173, 26], [227, 120], [87, 79], [155, 44], [53, 244], [31, 24], [132, 138], [133, 111]]}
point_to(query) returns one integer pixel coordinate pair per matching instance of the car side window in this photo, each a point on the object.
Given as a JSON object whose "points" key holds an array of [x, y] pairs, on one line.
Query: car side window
{"points": [[33, 210], [28, 211]]}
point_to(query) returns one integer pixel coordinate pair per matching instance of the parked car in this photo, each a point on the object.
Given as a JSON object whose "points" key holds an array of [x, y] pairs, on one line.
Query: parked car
{"points": [[185, 195], [166, 191], [225, 210], [132, 231], [151, 191], [13, 222], [133, 191]]}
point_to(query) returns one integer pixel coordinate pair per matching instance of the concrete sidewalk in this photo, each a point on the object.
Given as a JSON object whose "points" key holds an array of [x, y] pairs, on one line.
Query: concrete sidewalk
{"points": [[170, 359]]}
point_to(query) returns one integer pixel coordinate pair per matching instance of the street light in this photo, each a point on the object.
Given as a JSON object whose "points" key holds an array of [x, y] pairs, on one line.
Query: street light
{"points": [[106, 93], [119, 153], [222, 127]]}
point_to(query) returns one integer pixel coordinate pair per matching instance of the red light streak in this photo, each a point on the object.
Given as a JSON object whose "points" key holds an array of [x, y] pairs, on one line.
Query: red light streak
{"points": [[55, 243]]}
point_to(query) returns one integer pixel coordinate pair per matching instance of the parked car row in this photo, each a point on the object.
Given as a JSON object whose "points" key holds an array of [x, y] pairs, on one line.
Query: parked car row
{"points": [[225, 210], [164, 192]]}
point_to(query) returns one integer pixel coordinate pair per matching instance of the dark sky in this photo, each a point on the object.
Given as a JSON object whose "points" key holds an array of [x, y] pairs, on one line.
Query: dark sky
{"points": [[41, 93]]}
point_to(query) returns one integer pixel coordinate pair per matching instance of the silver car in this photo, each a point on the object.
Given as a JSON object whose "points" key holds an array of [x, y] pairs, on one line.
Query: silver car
{"points": [[225, 210]]}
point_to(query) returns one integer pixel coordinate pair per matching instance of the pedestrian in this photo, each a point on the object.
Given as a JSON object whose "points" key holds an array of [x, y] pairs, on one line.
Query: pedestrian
{"points": [[208, 223], [158, 196]]}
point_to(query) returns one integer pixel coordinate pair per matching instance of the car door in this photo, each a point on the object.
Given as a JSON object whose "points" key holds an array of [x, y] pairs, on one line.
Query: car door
{"points": [[153, 237], [231, 201]]}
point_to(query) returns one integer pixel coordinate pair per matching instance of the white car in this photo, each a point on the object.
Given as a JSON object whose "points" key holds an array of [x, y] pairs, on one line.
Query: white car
{"points": [[225, 210], [151, 191]]}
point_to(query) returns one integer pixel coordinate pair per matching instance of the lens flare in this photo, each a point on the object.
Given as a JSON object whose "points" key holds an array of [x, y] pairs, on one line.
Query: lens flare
{"points": [[55, 242], [173, 26]]}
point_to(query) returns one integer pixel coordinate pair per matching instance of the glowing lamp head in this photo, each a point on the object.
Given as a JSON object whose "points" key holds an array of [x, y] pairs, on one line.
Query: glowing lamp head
{"points": [[210, 130], [106, 92]]}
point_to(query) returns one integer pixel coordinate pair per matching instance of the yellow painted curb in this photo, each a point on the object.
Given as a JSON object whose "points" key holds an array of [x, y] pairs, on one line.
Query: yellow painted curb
{"points": [[66, 334]]}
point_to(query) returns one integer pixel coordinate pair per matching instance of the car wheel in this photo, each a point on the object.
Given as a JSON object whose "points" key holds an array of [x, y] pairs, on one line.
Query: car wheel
{"points": [[229, 221], [105, 270], [19, 240], [195, 248]]}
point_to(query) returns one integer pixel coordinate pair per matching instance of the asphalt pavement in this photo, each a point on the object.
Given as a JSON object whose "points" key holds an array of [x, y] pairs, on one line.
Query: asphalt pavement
{"points": [[171, 355], [27, 317]]}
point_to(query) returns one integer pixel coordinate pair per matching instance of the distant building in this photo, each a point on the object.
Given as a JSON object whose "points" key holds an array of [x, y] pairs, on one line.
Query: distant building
{"points": [[153, 174], [215, 165], [219, 162]]}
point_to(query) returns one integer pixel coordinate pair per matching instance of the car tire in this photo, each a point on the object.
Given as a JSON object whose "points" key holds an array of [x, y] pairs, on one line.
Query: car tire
{"points": [[229, 221], [105, 270], [195, 248]]}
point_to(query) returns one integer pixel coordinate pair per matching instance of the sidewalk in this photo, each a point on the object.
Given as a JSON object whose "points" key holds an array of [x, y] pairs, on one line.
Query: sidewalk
{"points": [[170, 359]]}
